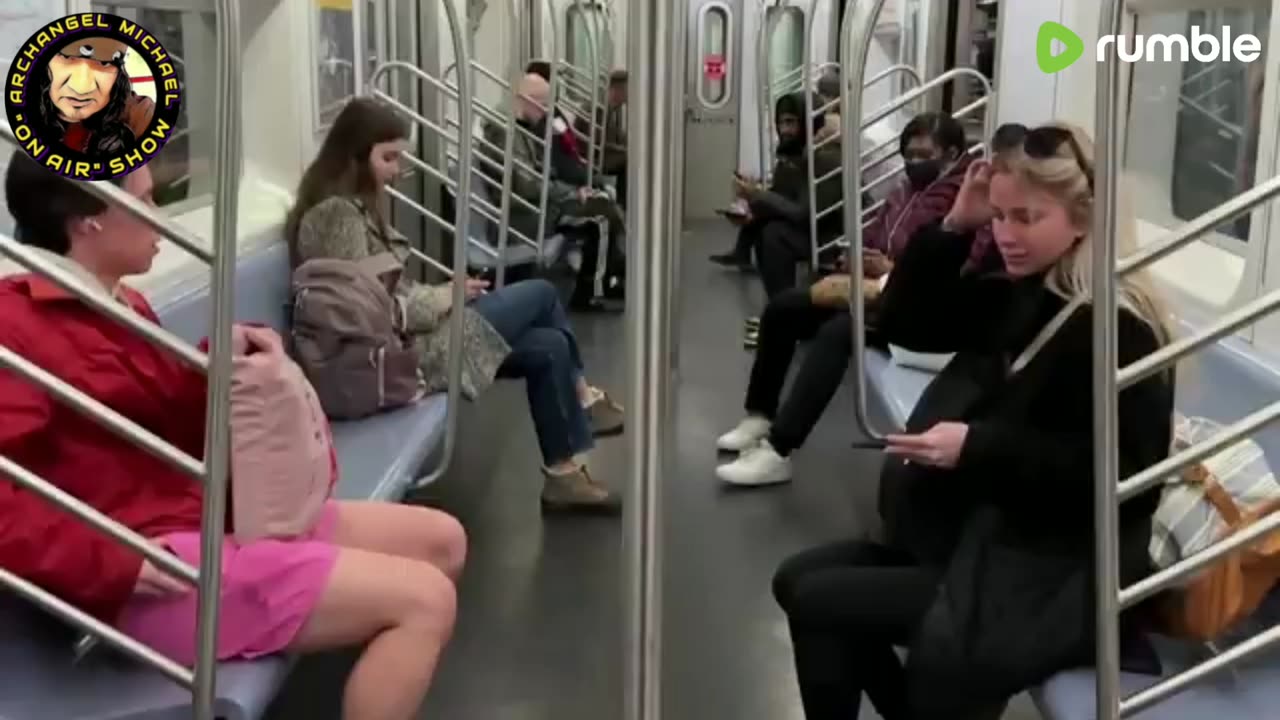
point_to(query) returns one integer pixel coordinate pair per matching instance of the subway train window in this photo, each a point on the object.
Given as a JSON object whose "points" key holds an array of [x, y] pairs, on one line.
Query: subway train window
{"points": [[713, 84], [577, 29], [332, 46], [786, 45], [1209, 152], [181, 169]]}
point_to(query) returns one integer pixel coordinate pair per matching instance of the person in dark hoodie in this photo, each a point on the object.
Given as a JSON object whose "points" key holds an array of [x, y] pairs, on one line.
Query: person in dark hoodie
{"points": [[933, 147], [777, 227], [781, 214], [986, 573]]}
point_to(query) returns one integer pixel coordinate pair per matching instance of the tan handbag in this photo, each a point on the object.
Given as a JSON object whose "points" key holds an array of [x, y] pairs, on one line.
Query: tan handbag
{"points": [[831, 291], [1232, 587]]}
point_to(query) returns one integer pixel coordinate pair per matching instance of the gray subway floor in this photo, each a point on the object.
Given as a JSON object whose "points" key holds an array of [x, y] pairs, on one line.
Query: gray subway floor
{"points": [[539, 631]]}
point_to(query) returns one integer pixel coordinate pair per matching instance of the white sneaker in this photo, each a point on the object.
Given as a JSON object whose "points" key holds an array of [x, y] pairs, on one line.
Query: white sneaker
{"points": [[747, 435], [761, 465]]}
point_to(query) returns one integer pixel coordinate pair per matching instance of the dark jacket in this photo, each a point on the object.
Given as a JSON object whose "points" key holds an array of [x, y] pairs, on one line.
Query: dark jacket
{"points": [[614, 154], [568, 173], [1011, 527], [787, 197]]}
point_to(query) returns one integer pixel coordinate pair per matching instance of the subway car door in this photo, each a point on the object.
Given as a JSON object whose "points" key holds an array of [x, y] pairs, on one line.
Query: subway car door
{"points": [[713, 108]]}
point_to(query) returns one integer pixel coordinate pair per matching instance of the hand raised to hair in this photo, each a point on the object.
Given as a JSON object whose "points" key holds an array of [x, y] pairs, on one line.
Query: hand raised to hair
{"points": [[972, 206]]}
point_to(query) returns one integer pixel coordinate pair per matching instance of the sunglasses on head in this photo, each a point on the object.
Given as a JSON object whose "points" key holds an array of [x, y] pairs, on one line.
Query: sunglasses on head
{"points": [[1043, 142]]}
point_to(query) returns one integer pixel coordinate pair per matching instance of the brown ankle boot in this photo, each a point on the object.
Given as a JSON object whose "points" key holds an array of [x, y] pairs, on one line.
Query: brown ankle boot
{"points": [[576, 492]]}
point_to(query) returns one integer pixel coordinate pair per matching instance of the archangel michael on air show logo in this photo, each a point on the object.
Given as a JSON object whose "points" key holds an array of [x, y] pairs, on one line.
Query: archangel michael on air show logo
{"points": [[92, 96]]}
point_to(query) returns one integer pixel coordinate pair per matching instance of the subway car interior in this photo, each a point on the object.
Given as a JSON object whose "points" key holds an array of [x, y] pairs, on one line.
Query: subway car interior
{"points": [[697, 181]]}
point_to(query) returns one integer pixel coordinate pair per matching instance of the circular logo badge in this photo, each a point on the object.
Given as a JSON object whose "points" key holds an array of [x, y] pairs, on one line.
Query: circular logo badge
{"points": [[92, 96]]}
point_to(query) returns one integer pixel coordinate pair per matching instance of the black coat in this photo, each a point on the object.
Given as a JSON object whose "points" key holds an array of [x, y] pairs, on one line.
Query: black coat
{"points": [[1011, 527]]}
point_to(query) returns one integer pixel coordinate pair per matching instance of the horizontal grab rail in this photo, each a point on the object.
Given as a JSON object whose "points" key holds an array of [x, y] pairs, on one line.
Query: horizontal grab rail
{"points": [[75, 617], [1169, 576], [1197, 228], [1175, 463], [1166, 356], [118, 424], [29, 259], [163, 559], [450, 157], [115, 196], [1171, 686]]}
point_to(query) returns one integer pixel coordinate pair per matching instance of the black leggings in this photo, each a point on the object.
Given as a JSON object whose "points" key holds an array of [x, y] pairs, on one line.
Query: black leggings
{"points": [[789, 318], [848, 604]]}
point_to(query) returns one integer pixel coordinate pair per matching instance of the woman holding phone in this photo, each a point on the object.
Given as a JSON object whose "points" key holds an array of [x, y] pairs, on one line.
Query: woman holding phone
{"points": [[995, 463]]}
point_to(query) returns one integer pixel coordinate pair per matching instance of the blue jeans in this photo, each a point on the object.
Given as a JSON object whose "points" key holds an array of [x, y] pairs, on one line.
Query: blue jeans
{"points": [[544, 352]]}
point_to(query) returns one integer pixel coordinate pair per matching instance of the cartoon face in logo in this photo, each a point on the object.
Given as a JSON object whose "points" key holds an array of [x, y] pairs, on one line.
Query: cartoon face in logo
{"points": [[92, 96], [82, 75]]}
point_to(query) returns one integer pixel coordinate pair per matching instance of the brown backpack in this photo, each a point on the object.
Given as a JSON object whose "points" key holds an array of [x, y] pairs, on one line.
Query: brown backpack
{"points": [[349, 336]]}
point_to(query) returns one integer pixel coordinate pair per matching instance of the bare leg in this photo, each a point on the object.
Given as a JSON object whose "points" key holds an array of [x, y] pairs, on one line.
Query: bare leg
{"points": [[405, 530], [404, 609]]}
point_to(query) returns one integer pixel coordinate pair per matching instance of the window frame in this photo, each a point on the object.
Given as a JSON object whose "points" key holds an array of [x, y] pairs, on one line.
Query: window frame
{"points": [[1262, 249], [730, 74]]}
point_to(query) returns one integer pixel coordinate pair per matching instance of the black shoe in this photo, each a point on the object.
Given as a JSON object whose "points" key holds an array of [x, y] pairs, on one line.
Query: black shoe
{"points": [[595, 305], [732, 260], [751, 339]]}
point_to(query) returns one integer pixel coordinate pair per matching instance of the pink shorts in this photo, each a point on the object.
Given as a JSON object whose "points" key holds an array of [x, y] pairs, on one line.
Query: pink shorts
{"points": [[269, 589]]}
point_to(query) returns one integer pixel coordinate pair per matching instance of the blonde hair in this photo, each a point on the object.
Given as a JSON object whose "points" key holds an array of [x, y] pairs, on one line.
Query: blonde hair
{"points": [[1062, 177]]}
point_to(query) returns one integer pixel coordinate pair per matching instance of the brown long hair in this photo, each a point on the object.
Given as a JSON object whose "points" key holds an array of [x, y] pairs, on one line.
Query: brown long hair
{"points": [[342, 165]]}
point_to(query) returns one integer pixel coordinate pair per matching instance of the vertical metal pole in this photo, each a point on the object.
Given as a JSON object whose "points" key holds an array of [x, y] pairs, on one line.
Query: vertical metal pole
{"points": [[1107, 157], [226, 171], [589, 24], [676, 146], [650, 61], [548, 135], [514, 72], [855, 42], [360, 61], [763, 84], [811, 173]]}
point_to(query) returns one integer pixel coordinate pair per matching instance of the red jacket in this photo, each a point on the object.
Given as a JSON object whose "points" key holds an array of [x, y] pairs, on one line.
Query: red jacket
{"points": [[38, 540]]}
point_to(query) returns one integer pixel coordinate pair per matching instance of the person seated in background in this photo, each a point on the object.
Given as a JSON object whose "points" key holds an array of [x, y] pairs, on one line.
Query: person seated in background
{"points": [[1007, 426], [568, 141], [519, 330], [571, 202], [828, 87], [613, 118], [377, 574], [781, 206], [777, 223], [933, 149]]}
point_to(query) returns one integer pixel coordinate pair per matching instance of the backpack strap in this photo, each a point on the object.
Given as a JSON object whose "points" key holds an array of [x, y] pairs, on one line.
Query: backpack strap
{"points": [[1042, 338]]}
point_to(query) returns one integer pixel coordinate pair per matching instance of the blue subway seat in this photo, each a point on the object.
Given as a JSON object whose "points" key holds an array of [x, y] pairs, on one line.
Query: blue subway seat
{"points": [[380, 457], [1224, 382]]}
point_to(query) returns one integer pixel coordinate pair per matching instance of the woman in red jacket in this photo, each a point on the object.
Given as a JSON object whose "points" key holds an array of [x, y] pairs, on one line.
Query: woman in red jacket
{"points": [[379, 574]]}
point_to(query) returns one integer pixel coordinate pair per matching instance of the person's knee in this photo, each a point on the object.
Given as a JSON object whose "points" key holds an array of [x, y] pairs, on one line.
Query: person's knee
{"points": [[543, 291], [450, 548], [784, 582], [430, 604], [836, 335]]}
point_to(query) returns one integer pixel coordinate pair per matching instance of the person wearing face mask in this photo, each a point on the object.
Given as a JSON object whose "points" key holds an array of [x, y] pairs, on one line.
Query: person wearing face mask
{"points": [[932, 147], [986, 567]]}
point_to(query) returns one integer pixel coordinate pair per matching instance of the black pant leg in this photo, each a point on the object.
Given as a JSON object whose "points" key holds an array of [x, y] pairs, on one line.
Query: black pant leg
{"points": [[823, 369], [847, 605], [776, 257], [788, 318]]}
